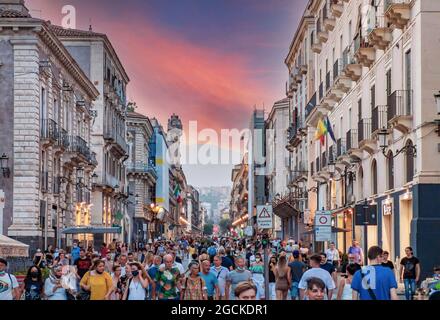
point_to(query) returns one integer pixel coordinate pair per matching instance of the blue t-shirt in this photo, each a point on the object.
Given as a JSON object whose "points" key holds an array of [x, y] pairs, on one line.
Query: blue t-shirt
{"points": [[381, 281], [152, 273], [212, 251], [75, 254], [210, 281]]}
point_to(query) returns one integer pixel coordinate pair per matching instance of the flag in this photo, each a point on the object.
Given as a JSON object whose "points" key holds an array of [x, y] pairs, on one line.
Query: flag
{"points": [[177, 193], [321, 131], [329, 129]]}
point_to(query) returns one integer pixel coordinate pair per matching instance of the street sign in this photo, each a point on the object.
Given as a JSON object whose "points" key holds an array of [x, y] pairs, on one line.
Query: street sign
{"points": [[323, 226], [323, 218], [264, 217], [323, 233]]}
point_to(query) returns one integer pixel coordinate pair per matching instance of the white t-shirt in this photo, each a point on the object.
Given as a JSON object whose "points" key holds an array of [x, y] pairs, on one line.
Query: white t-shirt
{"points": [[136, 291], [8, 282], [322, 274], [332, 255]]}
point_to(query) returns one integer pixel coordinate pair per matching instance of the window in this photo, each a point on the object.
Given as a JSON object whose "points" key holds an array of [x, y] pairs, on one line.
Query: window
{"points": [[350, 34], [360, 109], [390, 168], [349, 119], [388, 86], [373, 97], [374, 177], [409, 159], [408, 81]]}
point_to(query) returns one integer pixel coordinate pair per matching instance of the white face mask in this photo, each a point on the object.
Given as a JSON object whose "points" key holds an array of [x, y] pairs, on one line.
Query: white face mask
{"points": [[257, 259]]}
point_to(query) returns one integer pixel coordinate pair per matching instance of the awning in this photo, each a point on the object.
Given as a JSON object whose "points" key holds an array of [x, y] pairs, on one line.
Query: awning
{"points": [[12, 248], [92, 230], [334, 230]]}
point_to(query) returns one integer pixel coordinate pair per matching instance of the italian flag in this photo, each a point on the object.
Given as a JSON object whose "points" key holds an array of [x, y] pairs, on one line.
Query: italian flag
{"points": [[177, 193]]}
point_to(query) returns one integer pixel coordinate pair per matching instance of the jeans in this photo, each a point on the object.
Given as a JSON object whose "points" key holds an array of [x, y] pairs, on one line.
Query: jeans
{"points": [[272, 294], [410, 288], [294, 290]]}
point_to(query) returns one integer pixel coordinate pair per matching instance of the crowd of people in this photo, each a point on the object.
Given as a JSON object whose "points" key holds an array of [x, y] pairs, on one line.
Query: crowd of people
{"points": [[212, 269]]}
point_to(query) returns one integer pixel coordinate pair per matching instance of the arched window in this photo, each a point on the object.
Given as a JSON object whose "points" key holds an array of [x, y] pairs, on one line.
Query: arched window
{"points": [[409, 162], [374, 177], [390, 170]]}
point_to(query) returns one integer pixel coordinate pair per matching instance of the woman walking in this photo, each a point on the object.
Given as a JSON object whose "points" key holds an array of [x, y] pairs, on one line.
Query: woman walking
{"points": [[98, 282], [272, 280], [33, 286], [257, 269], [344, 289], [194, 287], [282, 278], [136, 288]]}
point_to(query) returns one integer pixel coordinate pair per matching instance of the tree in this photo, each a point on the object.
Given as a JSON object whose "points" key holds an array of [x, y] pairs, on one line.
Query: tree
{"points": [[225, 224], [207, 229]]}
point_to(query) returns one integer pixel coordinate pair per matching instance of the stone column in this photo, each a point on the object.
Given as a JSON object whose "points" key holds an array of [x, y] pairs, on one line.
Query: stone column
{"points": [[26, 203]]}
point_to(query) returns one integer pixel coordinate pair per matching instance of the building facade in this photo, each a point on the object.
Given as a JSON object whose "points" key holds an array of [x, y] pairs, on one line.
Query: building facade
{"points": [[141, 177], [240, 196], [99, 61], [278, 169], [46, 103], [372, 73]]}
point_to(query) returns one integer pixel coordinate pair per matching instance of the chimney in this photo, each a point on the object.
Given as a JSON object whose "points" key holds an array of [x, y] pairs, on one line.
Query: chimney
{"points": [[16, 5]]}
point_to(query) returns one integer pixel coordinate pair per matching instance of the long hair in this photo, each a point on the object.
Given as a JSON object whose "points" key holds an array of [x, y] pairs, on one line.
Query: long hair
{"points": [[28, 278], [282, 266]]}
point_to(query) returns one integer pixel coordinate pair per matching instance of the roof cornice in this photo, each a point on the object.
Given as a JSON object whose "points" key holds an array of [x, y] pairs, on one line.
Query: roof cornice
{"points": [[51, 40], [298, 37]]}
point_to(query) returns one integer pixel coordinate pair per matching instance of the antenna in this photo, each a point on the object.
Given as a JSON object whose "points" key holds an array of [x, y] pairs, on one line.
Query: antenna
{"points": [[90, 25]]}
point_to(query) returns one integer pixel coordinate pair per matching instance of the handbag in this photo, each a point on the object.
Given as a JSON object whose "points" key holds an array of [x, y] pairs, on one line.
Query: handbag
{"points": [[83, 295]]}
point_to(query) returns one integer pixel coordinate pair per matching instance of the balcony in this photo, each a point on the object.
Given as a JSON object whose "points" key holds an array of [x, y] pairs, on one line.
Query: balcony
{"points": [[303, 68], [365, 138], [341, 82], [400, 110], [110, 181], [379, 119], [92, 159], [311, 112], [79, 147], [63, 141], [365, 53], [50, 132], [295, 134], [380, 34], [118, 141], [317, 47], [297, 75], [82, 196], [341, 148], [352, 147], [321, 33], [337, 8], [328, 19], [299, 173], [398, 12], [142, 168], [350, 67]]}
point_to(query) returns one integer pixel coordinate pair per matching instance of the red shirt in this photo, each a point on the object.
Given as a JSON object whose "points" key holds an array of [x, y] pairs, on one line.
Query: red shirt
{"points": [[104, 252]]}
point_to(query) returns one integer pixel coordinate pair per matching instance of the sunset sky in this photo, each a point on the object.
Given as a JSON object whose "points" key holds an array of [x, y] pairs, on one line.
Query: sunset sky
{"points": [[209, 61]]}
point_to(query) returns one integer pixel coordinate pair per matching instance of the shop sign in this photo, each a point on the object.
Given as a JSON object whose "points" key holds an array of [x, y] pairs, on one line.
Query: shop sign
{"points": [[387, 208]]}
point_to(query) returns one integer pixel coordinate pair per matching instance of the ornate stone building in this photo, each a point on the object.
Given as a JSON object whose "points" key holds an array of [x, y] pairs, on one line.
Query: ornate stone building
{"points": [[46, 101]]}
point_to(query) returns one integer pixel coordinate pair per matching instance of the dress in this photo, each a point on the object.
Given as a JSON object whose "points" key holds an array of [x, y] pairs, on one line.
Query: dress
{"points": [[193, 288], [282, 283], [347, 294]]}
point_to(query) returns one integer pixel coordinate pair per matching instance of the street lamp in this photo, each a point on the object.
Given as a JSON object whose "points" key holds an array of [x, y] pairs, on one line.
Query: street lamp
{"points": [[94, 178], [383, 143], [437, 103], [80, 175], [4, 165]]}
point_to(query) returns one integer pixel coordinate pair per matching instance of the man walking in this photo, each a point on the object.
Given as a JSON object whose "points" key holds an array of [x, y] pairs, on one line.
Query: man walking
{"points": [[409, 273], [211, 281], [374, 282], [357, 252], [316, 272], [240, 274], [297, 269], [9, 289]]}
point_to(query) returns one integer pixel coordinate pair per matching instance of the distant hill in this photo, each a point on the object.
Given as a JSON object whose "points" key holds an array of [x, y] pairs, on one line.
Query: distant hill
{"points": [[218, 197]]}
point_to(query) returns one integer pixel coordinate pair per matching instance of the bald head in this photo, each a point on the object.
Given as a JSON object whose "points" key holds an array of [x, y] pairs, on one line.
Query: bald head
{"points": [[168, 260]]}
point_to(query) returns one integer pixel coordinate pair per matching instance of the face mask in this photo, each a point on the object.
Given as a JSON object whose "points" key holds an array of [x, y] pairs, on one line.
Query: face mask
{"points": [[34, 274], [258, 259], [135, 273], [240, 269]]}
